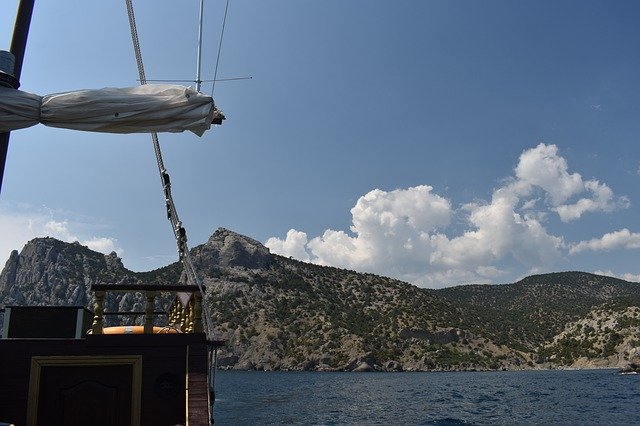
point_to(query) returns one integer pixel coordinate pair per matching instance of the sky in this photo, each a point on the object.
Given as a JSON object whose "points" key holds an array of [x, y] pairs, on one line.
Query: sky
{"points": [[439, 142]]}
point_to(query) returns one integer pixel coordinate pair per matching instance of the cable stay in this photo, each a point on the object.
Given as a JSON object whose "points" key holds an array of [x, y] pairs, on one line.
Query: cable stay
{"points": [[172, 214], [224, 24], [198, 80], [175, 80]]}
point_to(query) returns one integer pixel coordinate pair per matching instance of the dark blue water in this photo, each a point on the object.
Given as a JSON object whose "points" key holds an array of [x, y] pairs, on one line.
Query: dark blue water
{"points": [[597, 397]]}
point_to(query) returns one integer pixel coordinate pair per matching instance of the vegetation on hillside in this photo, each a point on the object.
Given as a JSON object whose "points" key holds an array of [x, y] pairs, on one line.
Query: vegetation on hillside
{"points": [[279, 313]]}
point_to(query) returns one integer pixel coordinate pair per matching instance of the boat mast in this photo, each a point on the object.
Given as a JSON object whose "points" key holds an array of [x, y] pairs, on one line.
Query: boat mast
{"points": [[18, 46], [198, 79]]}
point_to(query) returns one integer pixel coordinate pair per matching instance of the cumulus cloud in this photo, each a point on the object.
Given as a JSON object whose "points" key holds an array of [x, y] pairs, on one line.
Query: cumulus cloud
{"points": [[499, 231], [390, 229], [102, 244], [602, 199], [391, 232], [400, 233], [19, 226], [542, 167], [612, 240], [293, 245], [407, 233]]}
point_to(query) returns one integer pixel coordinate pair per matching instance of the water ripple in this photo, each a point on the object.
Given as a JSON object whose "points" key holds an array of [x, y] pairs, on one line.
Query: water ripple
{"points": [[491, 398]]}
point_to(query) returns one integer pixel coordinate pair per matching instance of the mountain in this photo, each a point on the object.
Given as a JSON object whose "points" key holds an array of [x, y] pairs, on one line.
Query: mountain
{"points": [[535, 309], [276, 313], [51, 272]]}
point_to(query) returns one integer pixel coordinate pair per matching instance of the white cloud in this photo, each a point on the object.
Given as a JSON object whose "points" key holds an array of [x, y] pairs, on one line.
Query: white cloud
{"points": [[399, 233], [407, 233], [19, 226], [544, 168], [602, 200], [102, 244], [391, 232], [59, 230], [541, 166], [627, 276], [293, 245], [499, 231], [530, 204], [612, 240], [488, 271]]}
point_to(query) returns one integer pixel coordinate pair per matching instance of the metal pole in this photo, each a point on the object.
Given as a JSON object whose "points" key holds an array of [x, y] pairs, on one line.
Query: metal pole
{"points": [[18, 46], [198, 80]]}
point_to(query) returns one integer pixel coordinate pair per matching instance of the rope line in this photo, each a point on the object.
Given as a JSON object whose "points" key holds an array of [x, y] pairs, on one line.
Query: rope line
{"points": [[136, 41], [224, 23], [172, 214]]}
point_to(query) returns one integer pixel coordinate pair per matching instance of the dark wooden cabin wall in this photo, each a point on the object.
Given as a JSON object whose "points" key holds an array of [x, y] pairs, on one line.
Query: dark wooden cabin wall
{"points": [[164, 361]]}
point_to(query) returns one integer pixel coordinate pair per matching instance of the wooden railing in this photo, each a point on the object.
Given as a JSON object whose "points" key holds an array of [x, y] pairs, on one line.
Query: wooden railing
{"points": [[185, 313]]}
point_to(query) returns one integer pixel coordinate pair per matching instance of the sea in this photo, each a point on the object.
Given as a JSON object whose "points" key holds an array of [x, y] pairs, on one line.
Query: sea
{"points": [[580, 397]]}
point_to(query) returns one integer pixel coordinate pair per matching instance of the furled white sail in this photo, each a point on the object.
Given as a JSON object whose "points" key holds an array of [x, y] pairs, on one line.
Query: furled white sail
{"points": [[18, 109], [142, 109]]}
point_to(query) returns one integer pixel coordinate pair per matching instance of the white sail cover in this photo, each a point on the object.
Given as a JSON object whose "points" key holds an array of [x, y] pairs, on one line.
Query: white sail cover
{"points": [[142, 109]]}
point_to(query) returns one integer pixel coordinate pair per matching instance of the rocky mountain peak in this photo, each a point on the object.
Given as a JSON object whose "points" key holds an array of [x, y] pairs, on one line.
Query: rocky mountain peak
{"points": [[113, 261], [52, 272], [230, 249], [11, 267]]}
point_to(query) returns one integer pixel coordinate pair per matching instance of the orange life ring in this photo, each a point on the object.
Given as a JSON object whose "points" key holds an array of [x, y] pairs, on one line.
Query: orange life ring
{"points": [[138, 329]]}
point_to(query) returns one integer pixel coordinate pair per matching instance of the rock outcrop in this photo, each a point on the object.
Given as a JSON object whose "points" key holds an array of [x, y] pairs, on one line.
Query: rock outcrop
{"points": [[50, 272], [227, 249]]}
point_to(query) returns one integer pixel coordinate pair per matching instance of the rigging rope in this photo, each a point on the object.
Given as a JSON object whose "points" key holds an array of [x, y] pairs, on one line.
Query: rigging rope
{"points": [[224, 23], [172, 214]]}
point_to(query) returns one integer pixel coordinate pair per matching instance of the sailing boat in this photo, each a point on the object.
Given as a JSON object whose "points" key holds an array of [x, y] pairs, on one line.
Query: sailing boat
{"points": [[52, 371]]}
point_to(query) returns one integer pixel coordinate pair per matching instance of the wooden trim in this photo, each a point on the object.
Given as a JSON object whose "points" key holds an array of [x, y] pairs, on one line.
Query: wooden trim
{"points": [[150, 297], [211, 381], [186, 387], [98, 309], [199, 408], [37, 362], [5, 322], [145, 287], [79, 322]]}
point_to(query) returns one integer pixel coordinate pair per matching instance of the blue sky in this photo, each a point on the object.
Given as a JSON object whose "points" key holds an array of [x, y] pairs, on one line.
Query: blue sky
{"points": [[440, 142]]}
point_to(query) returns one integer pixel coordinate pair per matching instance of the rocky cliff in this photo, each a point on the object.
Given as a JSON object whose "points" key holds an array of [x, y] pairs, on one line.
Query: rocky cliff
{"points": [[51, 272], [280, 314]]}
